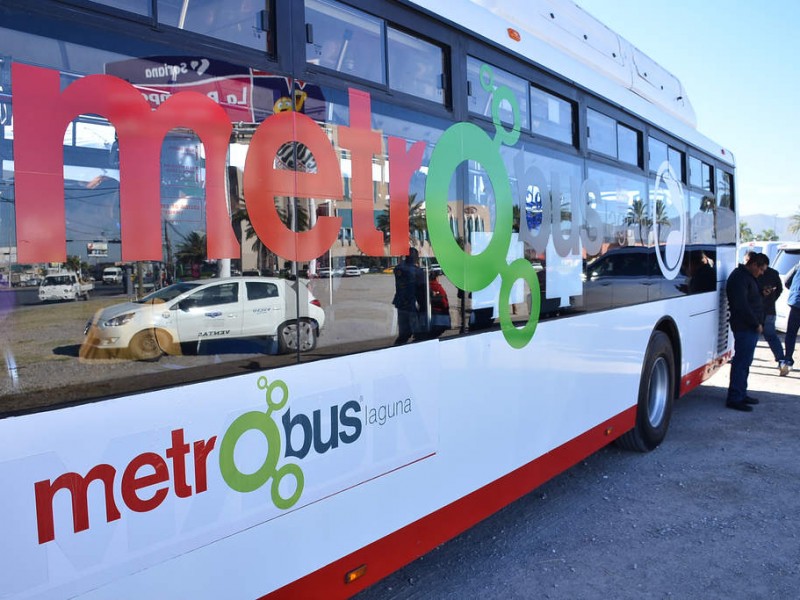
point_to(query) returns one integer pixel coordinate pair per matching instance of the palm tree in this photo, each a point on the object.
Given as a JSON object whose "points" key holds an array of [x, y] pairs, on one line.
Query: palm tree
{"points": [[416, 222], [794, 223], [768, 235], [192, 250], [241, 220], [745, 233], [638, 216], [74, 263], [662, 218]]}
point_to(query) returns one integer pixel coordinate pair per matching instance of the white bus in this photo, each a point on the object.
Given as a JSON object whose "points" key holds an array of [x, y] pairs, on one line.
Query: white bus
{"points": [[581, 226]]}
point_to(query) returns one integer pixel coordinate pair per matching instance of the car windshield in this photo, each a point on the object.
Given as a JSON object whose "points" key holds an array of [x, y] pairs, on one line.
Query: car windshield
{"points": [[786, 260], [58, 280], [168, 293]]}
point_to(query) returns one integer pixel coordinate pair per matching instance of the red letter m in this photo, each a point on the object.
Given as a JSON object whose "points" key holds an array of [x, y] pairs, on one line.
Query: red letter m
{"points": [[45, 490], [41, 114]]}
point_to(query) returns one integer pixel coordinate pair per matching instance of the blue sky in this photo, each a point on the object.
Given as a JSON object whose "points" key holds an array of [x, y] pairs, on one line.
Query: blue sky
{"points": [[740, 65]]}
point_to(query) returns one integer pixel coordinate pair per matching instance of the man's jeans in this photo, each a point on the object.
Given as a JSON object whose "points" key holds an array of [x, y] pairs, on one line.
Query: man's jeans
{"points": [[744, 347], [772, 338]]}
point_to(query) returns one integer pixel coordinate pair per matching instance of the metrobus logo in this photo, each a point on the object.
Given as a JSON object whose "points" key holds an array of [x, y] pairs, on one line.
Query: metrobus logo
{"points": [[42, 111], [145, 481]]}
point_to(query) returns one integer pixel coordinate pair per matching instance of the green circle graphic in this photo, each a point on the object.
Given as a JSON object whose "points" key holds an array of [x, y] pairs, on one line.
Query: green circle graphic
{"points": [[461, 142]]}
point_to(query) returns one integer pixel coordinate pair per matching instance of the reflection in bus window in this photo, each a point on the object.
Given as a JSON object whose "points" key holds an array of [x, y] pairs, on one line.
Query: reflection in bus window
{"points": [[602, 133], [480, 99], [551, 116], [415, 67], [241, 22], [141, 7], [628, 144], [345, 40], [726, 217]]}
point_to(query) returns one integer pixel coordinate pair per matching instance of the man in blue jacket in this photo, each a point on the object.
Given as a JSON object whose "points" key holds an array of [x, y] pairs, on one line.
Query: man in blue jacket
{"points": [[793, 283], [747, 315]]}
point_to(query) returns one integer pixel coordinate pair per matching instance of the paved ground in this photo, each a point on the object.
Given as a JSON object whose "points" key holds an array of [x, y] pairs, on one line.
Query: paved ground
{"points": [[712, 513]]}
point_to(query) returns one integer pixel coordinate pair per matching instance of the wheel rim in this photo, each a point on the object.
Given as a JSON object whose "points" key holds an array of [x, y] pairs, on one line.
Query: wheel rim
{"points": [[147, 345], [659, 391], [290, 335]]}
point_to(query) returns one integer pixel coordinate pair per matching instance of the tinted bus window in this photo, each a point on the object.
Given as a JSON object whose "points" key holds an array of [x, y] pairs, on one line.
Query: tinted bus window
{"points": [[141, 7], [658, 153], [552, 116], [345, 40], [628, 144], [726, 217], [415, 67], [238, 22], [480, 92], [602, 133]]}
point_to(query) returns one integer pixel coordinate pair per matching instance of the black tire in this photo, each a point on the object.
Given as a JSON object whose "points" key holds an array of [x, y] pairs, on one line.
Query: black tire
{"points": [[656, 397], [288, 338], [147, 345]]}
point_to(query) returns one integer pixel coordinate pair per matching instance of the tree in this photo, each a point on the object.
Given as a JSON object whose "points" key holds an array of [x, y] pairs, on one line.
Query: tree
{"points": [[241, 219], [768, 235], [417, 225], [74, 263], [662, 218], [794, 223], [638, 216], [745, 233], [192, 250]]}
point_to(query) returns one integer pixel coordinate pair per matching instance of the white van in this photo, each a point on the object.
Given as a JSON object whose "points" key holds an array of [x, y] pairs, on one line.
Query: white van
{"points": [[112, 275], [788, 257]]}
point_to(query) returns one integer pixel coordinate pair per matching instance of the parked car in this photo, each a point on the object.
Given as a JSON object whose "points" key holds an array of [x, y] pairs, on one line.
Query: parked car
{"points": [[227, 308], [64, 285], [352, 272]]}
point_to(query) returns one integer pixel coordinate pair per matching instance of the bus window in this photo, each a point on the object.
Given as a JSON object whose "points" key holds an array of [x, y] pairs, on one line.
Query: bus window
{"points": [[658, 154], [628, 144], [602, 133], [140, 7], [726, 217], [415, 66], [345, 40], [676, 161], [552, 117], [480, 98], [237, 22]]}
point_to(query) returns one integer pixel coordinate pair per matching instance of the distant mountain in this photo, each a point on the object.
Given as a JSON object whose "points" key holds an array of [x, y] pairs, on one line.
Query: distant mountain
{"points": [[759, 223]]}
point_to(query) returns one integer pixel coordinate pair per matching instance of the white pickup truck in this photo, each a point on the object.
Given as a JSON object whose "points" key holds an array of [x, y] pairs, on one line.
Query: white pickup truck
{"points": [[64, 285]]}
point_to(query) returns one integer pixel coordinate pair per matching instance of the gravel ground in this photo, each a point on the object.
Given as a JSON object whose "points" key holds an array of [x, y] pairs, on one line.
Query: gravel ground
{"points": [[712, 513]]}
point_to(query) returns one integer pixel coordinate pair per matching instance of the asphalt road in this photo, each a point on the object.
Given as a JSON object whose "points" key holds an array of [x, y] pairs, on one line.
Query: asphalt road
{"points": [[714, 512]]}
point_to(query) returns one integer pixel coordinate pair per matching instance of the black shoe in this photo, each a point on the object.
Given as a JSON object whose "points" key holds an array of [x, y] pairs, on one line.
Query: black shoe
{"points": [[742, 406], [749, 400]]}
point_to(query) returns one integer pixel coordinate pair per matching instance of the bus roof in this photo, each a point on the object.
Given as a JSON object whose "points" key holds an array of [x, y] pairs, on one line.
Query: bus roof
{"points": [[563, 38]]}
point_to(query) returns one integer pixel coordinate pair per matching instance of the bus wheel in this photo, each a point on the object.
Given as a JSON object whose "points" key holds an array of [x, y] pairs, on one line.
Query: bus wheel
{"points": [[146, 345], [288, 336], [656, 395]]}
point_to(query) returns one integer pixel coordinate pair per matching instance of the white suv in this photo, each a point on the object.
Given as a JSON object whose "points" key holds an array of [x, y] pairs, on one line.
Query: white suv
{"points": [[229, 308]]}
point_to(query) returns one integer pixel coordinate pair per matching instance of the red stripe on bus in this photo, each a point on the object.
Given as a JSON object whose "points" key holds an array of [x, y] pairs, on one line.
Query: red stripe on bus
{"points": [[401, 547], [698, 376]]}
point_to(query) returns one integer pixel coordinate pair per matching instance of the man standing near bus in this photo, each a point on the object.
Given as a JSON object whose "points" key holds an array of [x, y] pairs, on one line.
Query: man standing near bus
{"points": [[747, 315], [771, 289], [409, 279]]}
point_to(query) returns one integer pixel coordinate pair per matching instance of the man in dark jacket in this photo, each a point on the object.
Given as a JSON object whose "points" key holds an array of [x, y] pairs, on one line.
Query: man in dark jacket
{"points": [[747, 315], [409, 281]]}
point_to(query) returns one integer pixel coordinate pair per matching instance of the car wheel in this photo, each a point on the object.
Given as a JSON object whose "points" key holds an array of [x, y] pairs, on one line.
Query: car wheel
{"points": [[149, 344], [288, 338], [656, 394]]}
